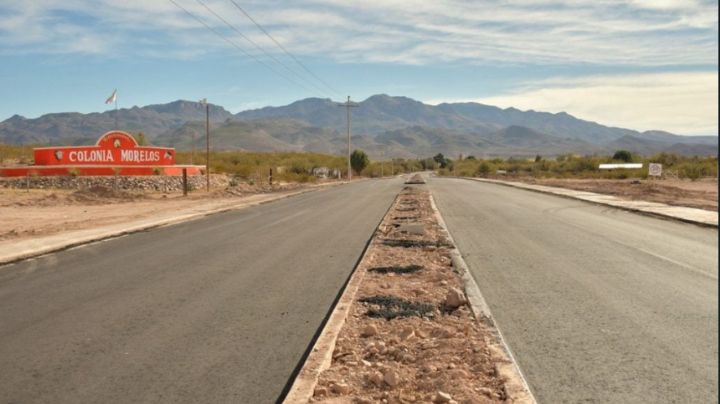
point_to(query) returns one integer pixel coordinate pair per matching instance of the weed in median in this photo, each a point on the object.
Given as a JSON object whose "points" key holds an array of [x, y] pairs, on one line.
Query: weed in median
{"points": [[394, 307], [414, 243], [409, 269], [405, 218]]}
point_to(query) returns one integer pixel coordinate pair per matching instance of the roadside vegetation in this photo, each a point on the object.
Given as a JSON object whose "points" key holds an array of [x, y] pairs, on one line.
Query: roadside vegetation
{"points": [[570, 166], [296, 166], [308, 167], [13, 154]]}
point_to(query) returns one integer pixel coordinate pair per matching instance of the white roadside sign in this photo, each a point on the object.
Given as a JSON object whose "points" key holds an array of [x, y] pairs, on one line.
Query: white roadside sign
{"points": [[614, 166], [655, 169]]}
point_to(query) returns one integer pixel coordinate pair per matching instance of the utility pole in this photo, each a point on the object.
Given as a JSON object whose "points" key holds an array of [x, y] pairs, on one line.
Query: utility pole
{"points": [[382, 166], [207, 143], [348, 105], [192, 153]]}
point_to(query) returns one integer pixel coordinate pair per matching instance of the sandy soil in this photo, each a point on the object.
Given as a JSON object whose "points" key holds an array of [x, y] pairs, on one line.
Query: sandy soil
{"points": [[702, 194], [26, 214], [434, 351]]}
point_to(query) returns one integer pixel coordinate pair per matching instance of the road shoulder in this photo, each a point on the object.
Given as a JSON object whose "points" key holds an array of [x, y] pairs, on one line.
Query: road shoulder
{"points": [[16, 250], [689, 215]]}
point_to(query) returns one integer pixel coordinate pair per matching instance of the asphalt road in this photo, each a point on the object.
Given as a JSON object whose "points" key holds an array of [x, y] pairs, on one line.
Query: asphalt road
{"points": [[215, 310], [598, 305]]}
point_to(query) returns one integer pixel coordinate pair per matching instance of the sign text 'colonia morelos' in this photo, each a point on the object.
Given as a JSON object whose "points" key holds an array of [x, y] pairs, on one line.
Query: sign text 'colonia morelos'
{"points": [[115, 153], [106, 156]]}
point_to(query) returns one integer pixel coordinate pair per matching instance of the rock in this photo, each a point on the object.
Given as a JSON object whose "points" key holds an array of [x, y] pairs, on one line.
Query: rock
{"points": [[486, 391], [421, 334], [407, 333], [320, 391], [407, 398], [391, 377], [366, 363], [376, 378], [412, 228], [369, 331], [454, 299], [340, 388], [427, 368], [458, 374], [442, 397]]}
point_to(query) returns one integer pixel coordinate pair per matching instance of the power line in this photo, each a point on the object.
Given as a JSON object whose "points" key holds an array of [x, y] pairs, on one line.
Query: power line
{"points": [[238, 47], [301, 64], [260, 48]]}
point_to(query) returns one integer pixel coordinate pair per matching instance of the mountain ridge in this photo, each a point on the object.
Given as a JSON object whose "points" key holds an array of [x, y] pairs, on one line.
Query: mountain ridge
{"points": [[384, 124]]}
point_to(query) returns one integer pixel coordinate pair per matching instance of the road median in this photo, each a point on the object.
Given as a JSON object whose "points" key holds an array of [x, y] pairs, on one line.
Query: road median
{"points": [[407, 326]]}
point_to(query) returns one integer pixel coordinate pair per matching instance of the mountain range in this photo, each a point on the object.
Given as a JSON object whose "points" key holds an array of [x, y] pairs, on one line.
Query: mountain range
{"points": [[382, 125]]}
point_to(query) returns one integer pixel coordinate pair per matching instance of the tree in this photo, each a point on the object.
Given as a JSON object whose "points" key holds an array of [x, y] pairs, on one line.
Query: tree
{"points": [[623, 155], [140, 139], [359, 160], [441, 160], [470, 157], [538, 158]]}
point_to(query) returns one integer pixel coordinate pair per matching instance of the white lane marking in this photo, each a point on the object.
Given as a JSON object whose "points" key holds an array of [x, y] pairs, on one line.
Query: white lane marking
{"points": [[678, 263]]}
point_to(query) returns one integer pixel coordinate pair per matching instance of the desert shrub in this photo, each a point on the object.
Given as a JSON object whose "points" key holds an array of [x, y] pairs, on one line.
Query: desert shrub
{"points": [[623, 155], [484, 169]]}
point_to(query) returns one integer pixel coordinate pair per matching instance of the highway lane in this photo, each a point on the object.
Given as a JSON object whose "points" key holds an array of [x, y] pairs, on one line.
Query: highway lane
{"points": [[215, 310], [598, 305]]}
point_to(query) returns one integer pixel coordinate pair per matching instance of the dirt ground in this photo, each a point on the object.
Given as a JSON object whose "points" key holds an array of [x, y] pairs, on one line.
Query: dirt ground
{"points": [[29, 213], [701, 194], [410, 336]]}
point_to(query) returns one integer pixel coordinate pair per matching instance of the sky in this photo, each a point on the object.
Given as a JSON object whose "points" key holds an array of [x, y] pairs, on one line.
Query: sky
{"points": [[638, 64]]}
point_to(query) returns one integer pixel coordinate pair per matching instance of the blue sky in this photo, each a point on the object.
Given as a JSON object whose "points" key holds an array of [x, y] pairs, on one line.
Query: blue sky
{"points": [[641, 64]]}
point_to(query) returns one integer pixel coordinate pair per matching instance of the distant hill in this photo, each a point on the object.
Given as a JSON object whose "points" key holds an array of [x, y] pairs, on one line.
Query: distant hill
{"points": [[383, 125], [77, 128], [259, 135]]}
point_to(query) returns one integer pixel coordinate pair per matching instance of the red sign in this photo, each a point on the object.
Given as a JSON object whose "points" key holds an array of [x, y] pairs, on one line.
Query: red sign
{"points": [[114, 148]]}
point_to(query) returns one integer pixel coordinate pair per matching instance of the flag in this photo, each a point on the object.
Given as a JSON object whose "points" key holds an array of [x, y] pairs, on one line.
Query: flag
{"points": [[112, 98]]}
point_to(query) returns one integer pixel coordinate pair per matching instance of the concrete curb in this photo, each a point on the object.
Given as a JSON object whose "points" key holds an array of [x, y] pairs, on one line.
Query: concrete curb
{"points": [[610, 201], [516, 387], [25, 249], [320, 357]]}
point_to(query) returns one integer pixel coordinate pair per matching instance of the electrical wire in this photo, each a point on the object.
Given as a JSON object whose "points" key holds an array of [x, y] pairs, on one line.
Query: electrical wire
{"points": [[258, 47], [279, 45], [238, 47]]}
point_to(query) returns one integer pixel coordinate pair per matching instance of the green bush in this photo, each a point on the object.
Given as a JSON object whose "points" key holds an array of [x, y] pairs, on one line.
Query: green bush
{"points": [[359, 160], [623, 155]]}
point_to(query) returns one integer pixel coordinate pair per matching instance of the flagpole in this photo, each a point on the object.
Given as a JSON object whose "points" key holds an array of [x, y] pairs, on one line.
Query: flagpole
{"points": [[116, 113]]}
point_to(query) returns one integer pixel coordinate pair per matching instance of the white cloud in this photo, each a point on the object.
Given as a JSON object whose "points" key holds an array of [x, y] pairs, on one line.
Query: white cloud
{"points": [[631, 32], [684, 103]]}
